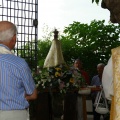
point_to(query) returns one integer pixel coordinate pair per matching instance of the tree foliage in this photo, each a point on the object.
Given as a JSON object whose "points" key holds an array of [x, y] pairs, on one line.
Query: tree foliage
{"points": [[43, 49], [91, 43], [97, 1]]}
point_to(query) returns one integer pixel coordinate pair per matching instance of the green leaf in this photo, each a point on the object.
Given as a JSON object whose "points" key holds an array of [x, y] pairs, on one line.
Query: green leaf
{"points": [[97, 1]]}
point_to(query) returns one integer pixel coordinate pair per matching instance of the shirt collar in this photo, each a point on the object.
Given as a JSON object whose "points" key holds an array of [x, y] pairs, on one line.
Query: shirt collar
{"points": [[4, 46]]}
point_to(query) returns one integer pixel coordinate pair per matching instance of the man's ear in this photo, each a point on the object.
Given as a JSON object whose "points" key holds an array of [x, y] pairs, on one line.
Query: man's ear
{"points": [[12, 42], [14, 38]]}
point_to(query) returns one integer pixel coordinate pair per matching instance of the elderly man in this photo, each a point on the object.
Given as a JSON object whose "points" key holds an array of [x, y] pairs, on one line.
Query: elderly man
{"points": [[16, 83], [97, 81]]}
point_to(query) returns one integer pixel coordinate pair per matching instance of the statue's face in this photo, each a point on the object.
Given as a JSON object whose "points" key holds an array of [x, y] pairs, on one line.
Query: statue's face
{"points": [[115, 14], [114, 7]]}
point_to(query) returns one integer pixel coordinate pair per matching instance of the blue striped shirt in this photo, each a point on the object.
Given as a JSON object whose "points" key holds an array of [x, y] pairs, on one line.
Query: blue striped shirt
{"points": [[15, 81], [96, 81]]}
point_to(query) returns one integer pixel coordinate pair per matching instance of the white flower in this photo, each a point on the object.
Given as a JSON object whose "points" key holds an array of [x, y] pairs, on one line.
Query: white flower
{"points": [[73, 75], [64, 91], [43, 80], [59, 81], [67, 84], [37, 85], [49, 80], [39, 82]]}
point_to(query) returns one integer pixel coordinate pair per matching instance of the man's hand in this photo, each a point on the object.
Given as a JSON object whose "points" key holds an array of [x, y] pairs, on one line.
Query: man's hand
{"points": [[33, 96]]}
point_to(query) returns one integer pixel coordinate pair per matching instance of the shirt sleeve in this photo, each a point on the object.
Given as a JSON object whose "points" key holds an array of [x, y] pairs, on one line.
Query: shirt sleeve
{"points": [[93, 81], [28, 82]]}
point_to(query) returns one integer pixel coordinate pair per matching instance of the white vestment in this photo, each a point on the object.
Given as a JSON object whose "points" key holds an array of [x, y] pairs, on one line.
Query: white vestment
{"points": [[107, 80], [111, 83]]}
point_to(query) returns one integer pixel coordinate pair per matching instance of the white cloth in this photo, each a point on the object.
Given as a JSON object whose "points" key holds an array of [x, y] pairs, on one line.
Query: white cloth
{"points": [[107, 80], [4, 50]]}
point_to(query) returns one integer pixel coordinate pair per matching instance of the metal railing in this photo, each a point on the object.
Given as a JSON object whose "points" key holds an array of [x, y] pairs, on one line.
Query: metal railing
{"points": [[24, 14]]}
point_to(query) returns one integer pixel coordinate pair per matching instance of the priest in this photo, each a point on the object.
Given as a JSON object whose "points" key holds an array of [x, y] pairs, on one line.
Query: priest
{"points": [[111, 83]]}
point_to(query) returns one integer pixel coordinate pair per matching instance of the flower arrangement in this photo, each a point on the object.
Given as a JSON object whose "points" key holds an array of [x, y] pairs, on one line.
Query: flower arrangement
{"points": [[60, 78]]}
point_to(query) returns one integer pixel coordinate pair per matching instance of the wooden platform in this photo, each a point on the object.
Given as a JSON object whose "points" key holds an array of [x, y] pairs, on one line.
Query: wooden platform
{"points": [[49, 106]]}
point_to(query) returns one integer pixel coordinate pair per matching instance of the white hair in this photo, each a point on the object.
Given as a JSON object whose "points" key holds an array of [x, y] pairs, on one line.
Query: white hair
{"points": [[101, 64], [6, 35]]}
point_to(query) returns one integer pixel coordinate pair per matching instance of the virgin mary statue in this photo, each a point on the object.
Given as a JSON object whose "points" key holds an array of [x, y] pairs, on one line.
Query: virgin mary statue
{"points": [[55, 56]]}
